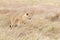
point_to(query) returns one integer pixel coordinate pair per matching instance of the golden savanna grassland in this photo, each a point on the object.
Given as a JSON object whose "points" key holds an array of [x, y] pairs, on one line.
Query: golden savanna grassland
{"points": [[29, 19]]}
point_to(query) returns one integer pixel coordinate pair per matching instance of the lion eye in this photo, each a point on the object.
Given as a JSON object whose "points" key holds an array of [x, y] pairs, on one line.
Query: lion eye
{"points": [[27, 14]]}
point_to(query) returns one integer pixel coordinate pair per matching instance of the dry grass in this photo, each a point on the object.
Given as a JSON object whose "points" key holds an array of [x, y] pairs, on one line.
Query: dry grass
{"points": [[30, 20]]}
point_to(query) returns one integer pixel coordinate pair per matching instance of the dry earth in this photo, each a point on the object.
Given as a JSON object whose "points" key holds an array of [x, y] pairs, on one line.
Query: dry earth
{"points": [[29, 19]]}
